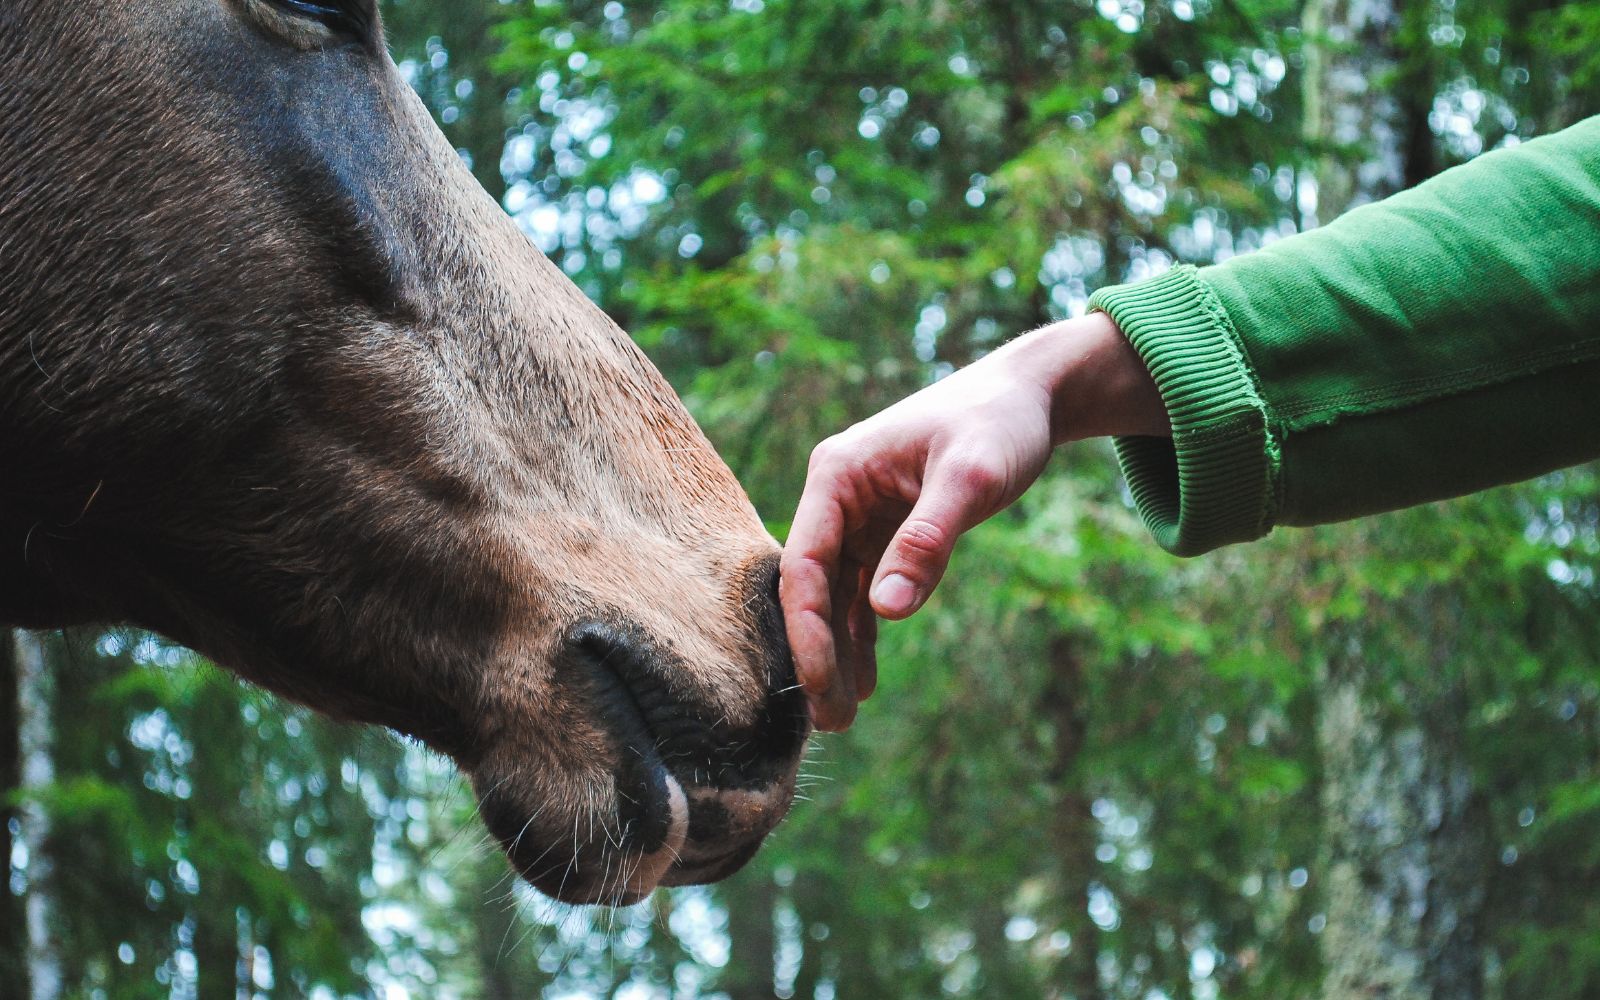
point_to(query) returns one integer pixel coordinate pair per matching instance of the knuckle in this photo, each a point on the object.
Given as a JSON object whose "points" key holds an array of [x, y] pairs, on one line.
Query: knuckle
{"points": [[975, 475], [921, 539], [847, 453], [798, 572], [827, 452], [873, 470]]}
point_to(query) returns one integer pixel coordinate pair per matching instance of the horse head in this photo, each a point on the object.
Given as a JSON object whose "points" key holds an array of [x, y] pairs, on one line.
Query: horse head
{"points": [[280, 381]]}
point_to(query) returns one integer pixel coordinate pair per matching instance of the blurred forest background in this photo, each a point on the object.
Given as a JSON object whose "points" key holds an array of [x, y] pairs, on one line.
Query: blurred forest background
{"points": [[1351, 762]]}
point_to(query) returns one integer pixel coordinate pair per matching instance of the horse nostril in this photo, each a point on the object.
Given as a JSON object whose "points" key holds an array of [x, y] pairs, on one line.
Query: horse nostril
{"points": [[621, 672], [770, 631], [618, 678], [774, 582], [598, 642]]}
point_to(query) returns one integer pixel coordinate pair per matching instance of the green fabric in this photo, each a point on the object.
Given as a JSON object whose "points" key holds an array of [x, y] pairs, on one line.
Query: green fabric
{"points": [[1438, 342]]}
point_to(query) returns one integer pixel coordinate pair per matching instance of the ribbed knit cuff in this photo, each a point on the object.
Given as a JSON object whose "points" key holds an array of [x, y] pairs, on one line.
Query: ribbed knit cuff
{"points": [[1214, 482]]}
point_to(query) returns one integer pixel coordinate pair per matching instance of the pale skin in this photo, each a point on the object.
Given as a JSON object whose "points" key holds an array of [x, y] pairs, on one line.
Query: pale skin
{"points": [[886, 500]]}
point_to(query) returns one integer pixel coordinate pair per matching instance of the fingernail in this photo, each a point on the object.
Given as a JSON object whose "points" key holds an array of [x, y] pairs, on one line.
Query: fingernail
{"points": [[895, 594]]}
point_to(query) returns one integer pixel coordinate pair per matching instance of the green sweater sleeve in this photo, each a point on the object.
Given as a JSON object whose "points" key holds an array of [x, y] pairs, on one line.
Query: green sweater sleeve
{"points": [[1441, 341]]}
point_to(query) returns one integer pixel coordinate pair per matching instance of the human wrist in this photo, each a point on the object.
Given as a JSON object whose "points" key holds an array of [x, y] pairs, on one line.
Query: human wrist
{"points": [[1095, 382]]}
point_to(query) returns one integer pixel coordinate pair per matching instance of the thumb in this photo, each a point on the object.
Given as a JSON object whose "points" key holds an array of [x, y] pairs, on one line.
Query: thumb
{"points": [[955, 496]]}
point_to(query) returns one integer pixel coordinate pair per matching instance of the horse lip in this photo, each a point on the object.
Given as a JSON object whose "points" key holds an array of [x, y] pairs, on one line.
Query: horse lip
{"points": [[715, 868]]}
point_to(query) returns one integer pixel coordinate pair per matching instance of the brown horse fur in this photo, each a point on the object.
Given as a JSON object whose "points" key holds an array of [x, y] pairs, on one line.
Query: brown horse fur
{"points": [[279, 381]]}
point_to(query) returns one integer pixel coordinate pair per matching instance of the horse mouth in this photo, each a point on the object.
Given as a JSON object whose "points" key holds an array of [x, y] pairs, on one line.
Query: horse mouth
{"points": [[683, 781], [703, 870], [652, 791]]}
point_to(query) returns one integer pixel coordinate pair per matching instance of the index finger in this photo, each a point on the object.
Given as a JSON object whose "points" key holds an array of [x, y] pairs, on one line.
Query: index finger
{"points": [[808, 572]]}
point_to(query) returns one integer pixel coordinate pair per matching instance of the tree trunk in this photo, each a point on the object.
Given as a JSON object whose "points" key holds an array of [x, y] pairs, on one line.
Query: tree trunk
{"points": [[1403, 825], [36, 732], [216, 909], [496, 924], [1074, 836], [749, 974], [1404, 839], [498, 931], [13, 920], [1352, 124]]}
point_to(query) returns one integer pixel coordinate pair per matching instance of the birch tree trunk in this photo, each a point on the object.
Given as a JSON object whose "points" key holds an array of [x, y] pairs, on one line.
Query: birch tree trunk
{"points": [[1406, 845], [1351, 121], [36, 736], [13, 921], [1403, 825]]}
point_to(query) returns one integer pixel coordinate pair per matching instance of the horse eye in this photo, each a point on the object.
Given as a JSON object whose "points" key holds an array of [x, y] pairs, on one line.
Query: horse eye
{"points": [[340, 15]]}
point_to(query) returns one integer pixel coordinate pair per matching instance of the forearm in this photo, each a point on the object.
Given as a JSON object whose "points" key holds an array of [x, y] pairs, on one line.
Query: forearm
{"points": [[1438, 342], [1096, 382]]}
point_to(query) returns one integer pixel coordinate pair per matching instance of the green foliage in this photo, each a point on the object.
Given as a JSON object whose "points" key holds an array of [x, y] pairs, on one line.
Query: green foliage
{"points": [[192, 817], [856, 195]]}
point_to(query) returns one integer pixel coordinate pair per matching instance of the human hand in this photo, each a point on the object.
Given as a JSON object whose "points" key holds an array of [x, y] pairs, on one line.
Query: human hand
{"points": [[886, 500]]}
